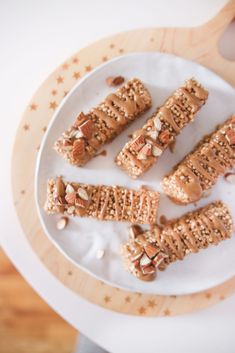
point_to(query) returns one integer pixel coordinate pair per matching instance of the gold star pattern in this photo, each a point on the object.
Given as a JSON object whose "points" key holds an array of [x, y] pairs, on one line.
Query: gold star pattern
{"points": [[75, 60], [167, 312], [88, 68], [208, 295], [26, 127], [38, 148], [70, 273], [104, 58], [121, 50], [60, 80], [65, 66], [151, 39], [128, 299], [76, 75], [33, 106], [107, 299], [112, 46], [53, 105], [152, 304], [65, 93], [142, 310], [44, 128], [22, 192], [54, 92], [139, 294]]}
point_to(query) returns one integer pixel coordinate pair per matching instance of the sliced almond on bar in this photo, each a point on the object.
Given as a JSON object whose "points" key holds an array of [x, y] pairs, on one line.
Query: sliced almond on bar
{"points": [[80, 119], [156, 151], [165, 136], [60, 187], [83, 194], [151, 250], [69, 189], [145, 261], [87, 129], [230, 136], [78, 149], [149, 270], [157, 123], [146, 149], [134, 231], [81, 203], [70, 198], [138, 143]]}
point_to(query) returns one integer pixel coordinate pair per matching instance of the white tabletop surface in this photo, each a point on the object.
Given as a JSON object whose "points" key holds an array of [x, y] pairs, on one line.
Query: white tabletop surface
{"points": [[35, 37]]}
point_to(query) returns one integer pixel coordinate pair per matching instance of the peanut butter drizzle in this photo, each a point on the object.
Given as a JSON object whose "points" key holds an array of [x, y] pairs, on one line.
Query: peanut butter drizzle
{"points": [[116, 203], [148, 208], [209, 220], [168, 116], [192, 188], [193, 100], [128, 106], [199, 91], [132, 204], [134, 158], [110, 122], [102, 212]]}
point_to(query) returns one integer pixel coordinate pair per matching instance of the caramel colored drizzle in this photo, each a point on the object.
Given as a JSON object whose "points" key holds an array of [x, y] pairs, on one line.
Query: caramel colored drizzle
{"points": [[168, 116], [177, 241], [116, 203], [102, 212]]}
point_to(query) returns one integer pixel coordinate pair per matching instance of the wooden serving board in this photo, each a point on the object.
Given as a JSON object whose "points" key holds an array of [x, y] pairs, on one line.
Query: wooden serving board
{"points": [[198, 44]]}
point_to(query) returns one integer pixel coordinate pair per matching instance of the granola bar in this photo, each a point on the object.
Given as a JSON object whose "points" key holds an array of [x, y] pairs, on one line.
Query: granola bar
{"points": [[113, 203], [103, 123], [148, 143], [148, 251], [200, 169]]}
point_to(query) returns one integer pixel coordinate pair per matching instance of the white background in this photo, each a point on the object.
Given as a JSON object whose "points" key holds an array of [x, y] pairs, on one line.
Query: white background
{"points": [[35, 37]]}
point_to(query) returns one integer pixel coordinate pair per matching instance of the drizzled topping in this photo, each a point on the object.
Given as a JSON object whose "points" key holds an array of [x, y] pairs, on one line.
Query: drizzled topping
{"points": [[200, 170], [194, 231]]}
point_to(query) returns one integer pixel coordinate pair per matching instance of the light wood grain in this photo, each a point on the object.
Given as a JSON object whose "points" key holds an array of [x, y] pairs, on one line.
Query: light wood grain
{"points": [[198, 44], [27, 324]]}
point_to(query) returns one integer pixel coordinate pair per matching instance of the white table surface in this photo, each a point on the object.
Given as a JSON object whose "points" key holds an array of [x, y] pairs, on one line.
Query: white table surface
{"points": [[35, 37]]}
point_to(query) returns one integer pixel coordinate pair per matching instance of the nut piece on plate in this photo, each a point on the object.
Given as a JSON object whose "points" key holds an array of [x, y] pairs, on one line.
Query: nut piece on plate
{"points": [[62, 223], [230, 177], [114, 81], [103, 202], [154, 249], [100, 254]]}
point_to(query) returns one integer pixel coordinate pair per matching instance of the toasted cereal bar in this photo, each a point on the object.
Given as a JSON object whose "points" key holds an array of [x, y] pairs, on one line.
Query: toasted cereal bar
{"points": [[103, 123], [200, 169], [148, 143], [113, 203], [147, 251]]}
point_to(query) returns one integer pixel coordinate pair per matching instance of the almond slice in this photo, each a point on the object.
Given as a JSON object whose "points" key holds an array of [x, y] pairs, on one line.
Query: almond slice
{"points": [[70, 198], [81, 203], [100, 254], [134, 231], [149, 270], [83, 194], [156, 151], [114, 81], [80, 119], [78, 149], [146, 150], [138, 143], [230, 136], [145, 261], [230, 177], [165, 136], [157, 123], [69, 189], [159, 259], [62, 223], [71, 210], [59, 186], [87, 129], [151, 250]]}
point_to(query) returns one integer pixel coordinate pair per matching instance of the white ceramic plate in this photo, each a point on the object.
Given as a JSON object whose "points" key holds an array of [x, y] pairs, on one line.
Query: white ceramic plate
{"points": [[81, 240]]}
